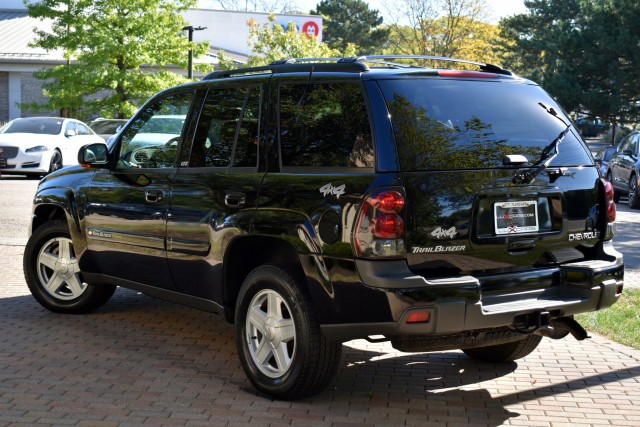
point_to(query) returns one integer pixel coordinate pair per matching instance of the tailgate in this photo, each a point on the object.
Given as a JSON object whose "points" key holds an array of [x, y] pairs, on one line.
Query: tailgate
{"points": [[480, 223]]}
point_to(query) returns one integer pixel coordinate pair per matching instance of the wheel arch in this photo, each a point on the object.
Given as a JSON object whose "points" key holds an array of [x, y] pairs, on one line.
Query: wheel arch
{"points": [[56, 203], [243, 255]]}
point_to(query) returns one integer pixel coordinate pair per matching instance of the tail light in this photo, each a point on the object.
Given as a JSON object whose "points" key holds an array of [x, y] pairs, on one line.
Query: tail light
{"points": [[609, 220], [379, 228]]}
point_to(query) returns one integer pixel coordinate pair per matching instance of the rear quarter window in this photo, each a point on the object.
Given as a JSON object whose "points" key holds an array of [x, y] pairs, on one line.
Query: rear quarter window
{"points": [[324, 125], [444, 124]]}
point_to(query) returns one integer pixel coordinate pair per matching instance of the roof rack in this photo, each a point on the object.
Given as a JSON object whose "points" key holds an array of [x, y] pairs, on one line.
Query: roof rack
{"points": [[355, 64], [292, 65]]}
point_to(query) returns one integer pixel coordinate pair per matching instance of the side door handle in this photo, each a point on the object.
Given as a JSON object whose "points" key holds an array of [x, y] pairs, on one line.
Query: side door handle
{"points": [[153, 196], [235, 199]]}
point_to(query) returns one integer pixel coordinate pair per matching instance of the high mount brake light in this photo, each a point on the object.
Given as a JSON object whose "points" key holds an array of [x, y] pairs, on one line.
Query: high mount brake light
{"points": [[463, 73], [380, 225]]}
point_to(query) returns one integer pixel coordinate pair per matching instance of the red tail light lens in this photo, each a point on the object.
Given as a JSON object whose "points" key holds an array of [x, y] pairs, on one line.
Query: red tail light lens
{"points": [[611, 205], [379, 227], [388, 226], [390, 201]]}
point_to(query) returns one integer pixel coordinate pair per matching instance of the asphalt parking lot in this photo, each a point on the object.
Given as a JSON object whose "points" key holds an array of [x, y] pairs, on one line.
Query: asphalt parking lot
{"points": [[142, 361]]}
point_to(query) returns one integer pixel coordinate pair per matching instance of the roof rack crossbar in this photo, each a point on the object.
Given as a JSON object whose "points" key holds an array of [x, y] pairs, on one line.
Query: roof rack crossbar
{"points": [[387, 60], [294, 65]]}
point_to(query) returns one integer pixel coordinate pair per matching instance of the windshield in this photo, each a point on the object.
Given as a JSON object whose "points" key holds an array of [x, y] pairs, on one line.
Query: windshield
{"points": [[464, 124], [43, 126]]}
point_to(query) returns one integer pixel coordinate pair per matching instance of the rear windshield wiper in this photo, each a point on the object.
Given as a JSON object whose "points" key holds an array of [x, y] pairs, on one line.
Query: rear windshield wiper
{"points": [[549, 153]]}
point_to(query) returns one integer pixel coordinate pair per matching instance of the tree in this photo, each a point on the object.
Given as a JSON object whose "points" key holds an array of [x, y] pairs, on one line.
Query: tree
{"points": [[584, 52], [351, 21], [107, 43], [270, 42], [281, 6], [435, 27]]}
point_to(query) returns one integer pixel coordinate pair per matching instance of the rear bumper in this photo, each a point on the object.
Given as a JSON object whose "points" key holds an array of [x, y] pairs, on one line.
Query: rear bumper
{"points": [[458, 304]]}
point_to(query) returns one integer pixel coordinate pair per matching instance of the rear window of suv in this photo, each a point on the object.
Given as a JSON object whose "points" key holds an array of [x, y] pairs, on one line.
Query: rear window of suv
{"points": [[444, 124]]}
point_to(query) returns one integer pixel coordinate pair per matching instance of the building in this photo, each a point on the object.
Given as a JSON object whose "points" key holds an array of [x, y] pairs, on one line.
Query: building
{"points": [[225, 30]]}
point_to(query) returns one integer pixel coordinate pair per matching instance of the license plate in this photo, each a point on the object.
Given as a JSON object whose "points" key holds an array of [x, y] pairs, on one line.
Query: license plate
{"points": [[3, 162], [516, 217]]}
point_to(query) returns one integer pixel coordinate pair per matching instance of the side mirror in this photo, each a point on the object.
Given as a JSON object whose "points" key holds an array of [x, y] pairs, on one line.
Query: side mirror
{"points": [[627, 152], [70, 132], [93, 155]]}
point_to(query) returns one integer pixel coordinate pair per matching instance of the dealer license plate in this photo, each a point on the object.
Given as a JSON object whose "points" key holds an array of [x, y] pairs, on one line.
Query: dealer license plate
{"points": [[516, 217]]}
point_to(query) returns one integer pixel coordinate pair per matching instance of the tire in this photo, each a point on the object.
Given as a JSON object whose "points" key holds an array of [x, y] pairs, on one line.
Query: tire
{"points": [[56, 161], [507, 352], [634, 196], [616, 194], [53, 275], [280, 345]]}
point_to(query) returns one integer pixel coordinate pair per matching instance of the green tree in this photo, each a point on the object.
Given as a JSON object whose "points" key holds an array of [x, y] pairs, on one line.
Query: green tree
{"points": [[351, 22], [584, 52], [117, 52], [271, 42], [435, 27]]}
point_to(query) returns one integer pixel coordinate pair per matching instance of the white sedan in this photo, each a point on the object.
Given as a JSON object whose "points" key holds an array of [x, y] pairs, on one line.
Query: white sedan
{"points": [[40, 145]]}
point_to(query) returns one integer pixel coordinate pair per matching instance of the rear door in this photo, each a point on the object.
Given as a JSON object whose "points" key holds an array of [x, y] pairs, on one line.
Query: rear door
{"points": [[214, 192], [472, 210]]}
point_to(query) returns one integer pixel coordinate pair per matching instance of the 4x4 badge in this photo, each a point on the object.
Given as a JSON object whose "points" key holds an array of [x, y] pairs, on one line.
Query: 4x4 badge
{"points": [[328, 189], [441, 233]]}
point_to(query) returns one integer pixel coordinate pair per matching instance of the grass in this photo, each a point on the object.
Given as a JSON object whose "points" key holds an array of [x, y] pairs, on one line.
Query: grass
{"points": [[620, 322]]}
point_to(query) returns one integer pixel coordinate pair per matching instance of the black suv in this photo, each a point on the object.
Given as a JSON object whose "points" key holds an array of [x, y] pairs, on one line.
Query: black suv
{"points": [[311, 202]]}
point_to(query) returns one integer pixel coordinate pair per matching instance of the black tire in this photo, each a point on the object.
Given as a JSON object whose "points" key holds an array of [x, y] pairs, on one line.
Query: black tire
{"points": [[280, 345], [634, 196], [616, 194], [507, 352], [56, 161], [53, 275]]}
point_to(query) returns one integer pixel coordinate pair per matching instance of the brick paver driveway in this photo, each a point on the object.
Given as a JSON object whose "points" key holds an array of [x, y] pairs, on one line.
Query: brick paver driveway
{"points": [[139, 361]]}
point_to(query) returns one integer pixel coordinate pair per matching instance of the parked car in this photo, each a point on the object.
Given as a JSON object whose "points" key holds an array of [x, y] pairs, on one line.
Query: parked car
{"points": [[107, 128], [40, 145], [590, 127], [603, 156], [311, 202], [624, 169]]}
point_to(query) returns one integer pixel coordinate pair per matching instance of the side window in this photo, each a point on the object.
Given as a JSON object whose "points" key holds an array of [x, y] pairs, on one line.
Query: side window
{"points": [[71, 126], [82, 129], [151, 141], [229, 119], [634, 145], [324, 125], [625, 144]]}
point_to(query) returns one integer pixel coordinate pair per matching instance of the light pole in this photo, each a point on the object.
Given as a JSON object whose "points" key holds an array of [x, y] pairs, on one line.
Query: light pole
{"points": [[191, 29]]}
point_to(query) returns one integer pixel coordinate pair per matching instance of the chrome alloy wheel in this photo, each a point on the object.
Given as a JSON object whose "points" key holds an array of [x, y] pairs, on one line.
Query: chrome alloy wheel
{"points": [[58, 269], [270, 333]]}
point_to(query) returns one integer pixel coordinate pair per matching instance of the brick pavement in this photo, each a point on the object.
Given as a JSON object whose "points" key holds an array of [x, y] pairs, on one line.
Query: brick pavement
{"points": [[141, 361]]}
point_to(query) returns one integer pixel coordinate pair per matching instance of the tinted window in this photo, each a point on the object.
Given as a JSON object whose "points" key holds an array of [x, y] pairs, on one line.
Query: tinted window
{"points": [[152, 138], [456, 124], [230, 116], [324, 125]]}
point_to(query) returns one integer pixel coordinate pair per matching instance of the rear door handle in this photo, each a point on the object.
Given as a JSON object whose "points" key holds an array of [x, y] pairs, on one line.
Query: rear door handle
{"points": [[153, 196]]}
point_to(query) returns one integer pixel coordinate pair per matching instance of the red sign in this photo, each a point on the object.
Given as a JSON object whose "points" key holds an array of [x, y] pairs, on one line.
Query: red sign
{"points": [[310, 28]]}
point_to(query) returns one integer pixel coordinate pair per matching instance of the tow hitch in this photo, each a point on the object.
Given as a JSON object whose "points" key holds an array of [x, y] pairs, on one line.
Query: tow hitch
{"points": [[543, 324]]}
